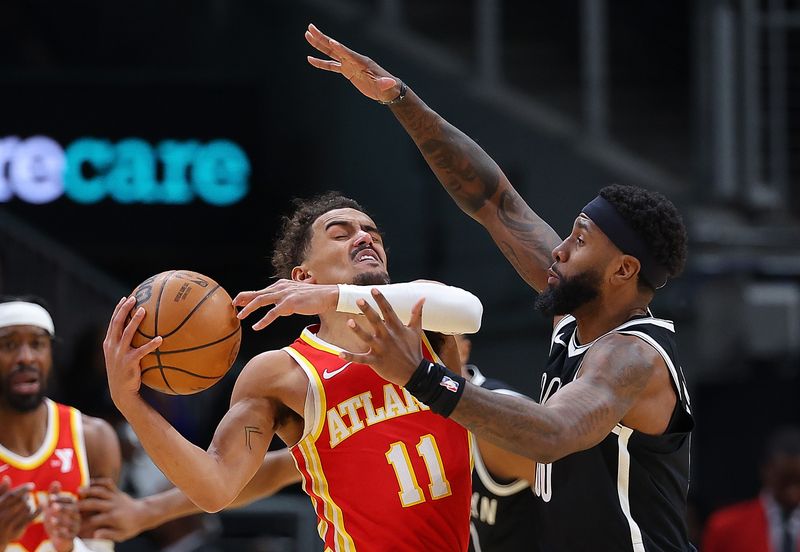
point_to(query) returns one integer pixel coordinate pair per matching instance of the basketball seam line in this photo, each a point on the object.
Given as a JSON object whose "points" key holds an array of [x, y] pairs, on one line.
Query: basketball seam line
{"points": [[188, 349], [155, 329], [194, 309], [178, 369]]}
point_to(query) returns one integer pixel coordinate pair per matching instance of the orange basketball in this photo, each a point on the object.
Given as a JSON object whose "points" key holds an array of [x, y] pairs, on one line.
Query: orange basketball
{"points": [[201, 334]]}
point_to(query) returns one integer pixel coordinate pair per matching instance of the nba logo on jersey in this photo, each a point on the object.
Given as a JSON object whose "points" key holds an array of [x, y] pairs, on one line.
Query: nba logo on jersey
{"points": [[449, 384]]}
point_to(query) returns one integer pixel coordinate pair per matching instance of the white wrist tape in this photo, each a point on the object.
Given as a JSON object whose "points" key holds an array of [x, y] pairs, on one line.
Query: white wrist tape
{"points": [[447, 309]]}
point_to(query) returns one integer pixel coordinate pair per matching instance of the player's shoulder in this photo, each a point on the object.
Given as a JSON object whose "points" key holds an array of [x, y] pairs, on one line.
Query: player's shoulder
{"points": [[103, 452], [628, 353], [270, 371], [97, 431]]}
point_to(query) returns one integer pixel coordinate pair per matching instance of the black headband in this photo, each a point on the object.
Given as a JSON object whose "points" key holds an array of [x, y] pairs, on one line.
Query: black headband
{"points": [[608, 219]]}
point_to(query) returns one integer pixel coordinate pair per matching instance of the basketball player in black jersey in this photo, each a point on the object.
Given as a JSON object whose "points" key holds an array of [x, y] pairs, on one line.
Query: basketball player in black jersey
{"points": [[611, 435]]}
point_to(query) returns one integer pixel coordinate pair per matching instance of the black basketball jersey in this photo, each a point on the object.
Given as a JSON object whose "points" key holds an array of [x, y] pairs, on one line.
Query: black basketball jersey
{"points": [[628, 493], [502, 510]]}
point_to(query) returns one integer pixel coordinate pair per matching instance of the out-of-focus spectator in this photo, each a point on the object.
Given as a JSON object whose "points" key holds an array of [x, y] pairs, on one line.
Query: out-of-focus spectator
{"points": [[770, 522]]}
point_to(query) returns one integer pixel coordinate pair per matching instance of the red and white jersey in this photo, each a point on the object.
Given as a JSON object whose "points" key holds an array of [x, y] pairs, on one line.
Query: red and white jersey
{"points": [[61, 457], [383, 472]]}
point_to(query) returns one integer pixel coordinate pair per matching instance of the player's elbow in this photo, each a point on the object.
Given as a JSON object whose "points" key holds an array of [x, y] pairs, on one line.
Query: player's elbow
{"points": [[211, 499]]}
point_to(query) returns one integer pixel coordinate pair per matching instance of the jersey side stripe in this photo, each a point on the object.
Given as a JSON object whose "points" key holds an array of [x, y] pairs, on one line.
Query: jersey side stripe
{"points": [[344, 542], [307, 484], [76, 426], [623, 480]]}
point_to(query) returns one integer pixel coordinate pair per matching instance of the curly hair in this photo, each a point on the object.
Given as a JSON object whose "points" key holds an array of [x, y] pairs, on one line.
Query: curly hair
{"points": [[291, 245], [655, 219]]}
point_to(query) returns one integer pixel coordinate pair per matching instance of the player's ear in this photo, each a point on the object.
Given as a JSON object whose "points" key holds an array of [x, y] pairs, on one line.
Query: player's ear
{"points": [[300, 274], [627, 269]]}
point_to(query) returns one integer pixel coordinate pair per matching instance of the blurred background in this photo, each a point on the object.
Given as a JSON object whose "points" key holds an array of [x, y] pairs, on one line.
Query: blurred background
{"points": [[142, 137]]}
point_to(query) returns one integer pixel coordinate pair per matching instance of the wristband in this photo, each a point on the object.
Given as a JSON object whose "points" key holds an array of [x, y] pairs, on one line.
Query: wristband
{"points": [[437, 387], [400, 97]]}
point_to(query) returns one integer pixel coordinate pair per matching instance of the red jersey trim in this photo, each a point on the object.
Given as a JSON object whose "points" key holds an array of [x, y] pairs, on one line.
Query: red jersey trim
{"points": [[45, 449]]}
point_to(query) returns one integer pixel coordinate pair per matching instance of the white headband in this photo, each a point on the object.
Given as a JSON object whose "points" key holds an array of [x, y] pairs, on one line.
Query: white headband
{"points": [[22, 313]]}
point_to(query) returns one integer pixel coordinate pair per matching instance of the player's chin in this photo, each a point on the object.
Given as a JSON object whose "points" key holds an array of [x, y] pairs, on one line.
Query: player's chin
{"points": [[372, 277]]}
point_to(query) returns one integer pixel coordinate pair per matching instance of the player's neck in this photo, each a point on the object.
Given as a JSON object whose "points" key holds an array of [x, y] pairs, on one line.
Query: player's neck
{"points": [[334, 329], [596, 320], [23, 432]]}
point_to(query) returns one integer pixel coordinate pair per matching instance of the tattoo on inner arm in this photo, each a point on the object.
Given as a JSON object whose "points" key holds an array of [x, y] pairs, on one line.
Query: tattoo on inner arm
{"points": [[249, 430], [470, 184]]}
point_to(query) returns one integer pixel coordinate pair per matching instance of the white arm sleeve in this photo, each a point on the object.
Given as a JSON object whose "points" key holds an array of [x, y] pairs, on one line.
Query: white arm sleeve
{"points": [[448, 309], [92, 545]]}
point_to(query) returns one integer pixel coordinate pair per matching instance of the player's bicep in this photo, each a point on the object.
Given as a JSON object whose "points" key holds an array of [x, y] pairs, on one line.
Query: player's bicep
{"points": [[614, 373], [103, 454], [243, 435]]}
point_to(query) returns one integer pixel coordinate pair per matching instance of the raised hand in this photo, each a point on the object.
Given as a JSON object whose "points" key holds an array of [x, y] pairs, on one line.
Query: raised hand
{"points": [[109, 513], [395, 350], [371, 79], [289, 297], [15, 511], [122, 359], [61, 518]]}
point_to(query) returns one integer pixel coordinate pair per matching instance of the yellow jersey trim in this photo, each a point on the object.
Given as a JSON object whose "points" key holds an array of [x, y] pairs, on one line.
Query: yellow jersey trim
{"points": [[45, 449], [317, 390], [78, 442], [332, 512]]}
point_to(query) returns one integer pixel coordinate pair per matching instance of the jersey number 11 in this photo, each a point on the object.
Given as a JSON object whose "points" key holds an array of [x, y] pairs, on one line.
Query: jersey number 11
{"points": [[410, 492]]}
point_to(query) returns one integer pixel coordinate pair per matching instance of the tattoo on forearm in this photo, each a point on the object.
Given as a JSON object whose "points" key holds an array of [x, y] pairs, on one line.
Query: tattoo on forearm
{"points": [[248, 431], [474, 180], [468, 174]]}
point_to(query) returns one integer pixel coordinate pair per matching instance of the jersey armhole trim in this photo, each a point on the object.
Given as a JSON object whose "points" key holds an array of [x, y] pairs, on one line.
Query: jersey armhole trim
{"points": [[311, 428], [78, 441]]}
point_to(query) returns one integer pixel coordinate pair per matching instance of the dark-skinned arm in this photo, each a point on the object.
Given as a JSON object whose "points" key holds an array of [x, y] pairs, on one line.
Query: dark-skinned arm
{"points": [[615, 371], [114, 515], [470, 176], [614, 374]]}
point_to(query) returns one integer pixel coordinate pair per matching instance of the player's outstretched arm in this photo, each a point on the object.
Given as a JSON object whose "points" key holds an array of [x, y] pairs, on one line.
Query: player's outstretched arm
{"points": [[114, 515], [470, 176], [448, 309], [211, 479]]}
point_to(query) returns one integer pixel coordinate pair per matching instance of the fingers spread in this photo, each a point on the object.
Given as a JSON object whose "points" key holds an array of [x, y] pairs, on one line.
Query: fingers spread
{"points": [[372, 316], [148, 347], [325, 65], [416, 315], [119, 317], [256, 303], [389, 316]]}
